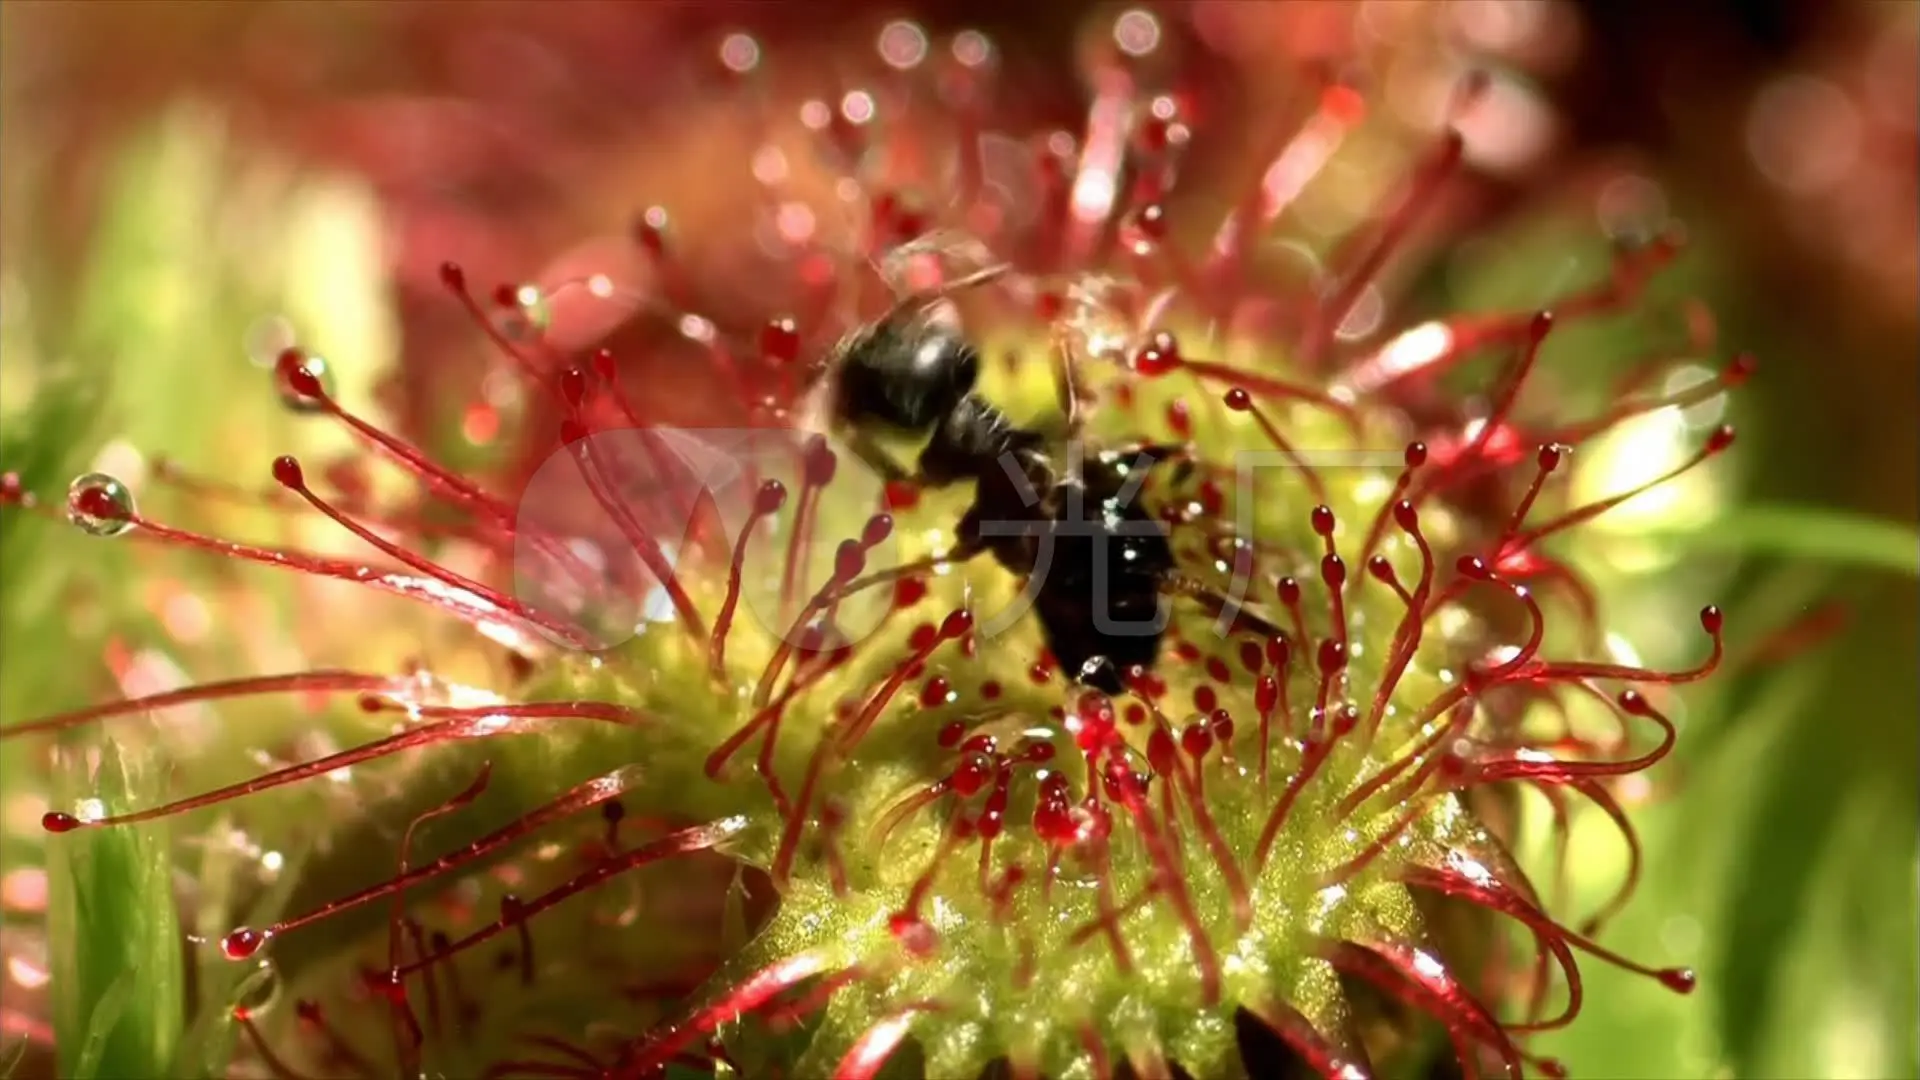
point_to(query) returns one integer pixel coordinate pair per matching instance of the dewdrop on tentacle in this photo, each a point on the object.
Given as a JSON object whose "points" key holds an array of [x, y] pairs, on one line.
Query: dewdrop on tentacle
{"points": [[762, 653]]}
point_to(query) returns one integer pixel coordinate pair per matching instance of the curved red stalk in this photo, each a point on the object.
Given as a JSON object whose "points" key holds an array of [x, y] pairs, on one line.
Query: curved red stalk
{"points": [[1488, 891], [1574, 671], [407, 1050], [244, 941], [1406, 637], [1717, 442], [955, 625], [760, 988], [454, 279], [1431, 349], [877, 1044], [505, 719], [1422, 193], [1320, 1054], [849, 561], [1611, 807], [1229, 867], [1488, 894], [1527, 764], [771, 497], [275, 1065], [1291, 165], [292, 370], [1420, 979], [470, 608], [516, 915], [644, 545], [326, 681], [1167, 873], [820, 466], [287, 471]]}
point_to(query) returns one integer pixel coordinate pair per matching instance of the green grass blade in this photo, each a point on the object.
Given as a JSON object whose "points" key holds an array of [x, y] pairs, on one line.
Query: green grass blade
{"points": [[118, 986], [1812, 533]]}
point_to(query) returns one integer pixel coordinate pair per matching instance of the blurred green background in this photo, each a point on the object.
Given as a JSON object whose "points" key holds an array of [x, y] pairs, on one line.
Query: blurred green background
{"points": [[173, 170]]}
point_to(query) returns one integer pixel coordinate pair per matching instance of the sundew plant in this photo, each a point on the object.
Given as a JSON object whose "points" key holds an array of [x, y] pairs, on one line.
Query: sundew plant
{"points": [[1218, 666]]}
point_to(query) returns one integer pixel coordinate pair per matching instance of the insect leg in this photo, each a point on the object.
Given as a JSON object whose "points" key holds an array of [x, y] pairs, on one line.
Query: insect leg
{"points": [[868, 450], [1157, 454], [1065, 384], [1232, 615], [982, 276]]}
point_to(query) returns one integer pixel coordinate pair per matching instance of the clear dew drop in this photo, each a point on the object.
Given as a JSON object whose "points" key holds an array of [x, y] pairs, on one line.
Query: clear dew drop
{"points": [[296, 402], [100, 504], [261, 989]]}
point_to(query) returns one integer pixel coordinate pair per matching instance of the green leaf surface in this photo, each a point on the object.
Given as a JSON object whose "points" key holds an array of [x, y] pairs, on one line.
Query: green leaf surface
{"points": [[1813, 533], [1781, 870], [118, 985]]}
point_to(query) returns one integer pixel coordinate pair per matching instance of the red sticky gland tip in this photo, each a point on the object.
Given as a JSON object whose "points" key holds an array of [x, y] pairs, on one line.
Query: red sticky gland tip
{"points": [[242, 943], [1711, 619], [55, 821], [1239, 400], [97, 501], [1332, 657], [1333, 571], [291, 367], [821, 463], [1322, 520], [287, 473], [849, 559], [572, 387]]}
